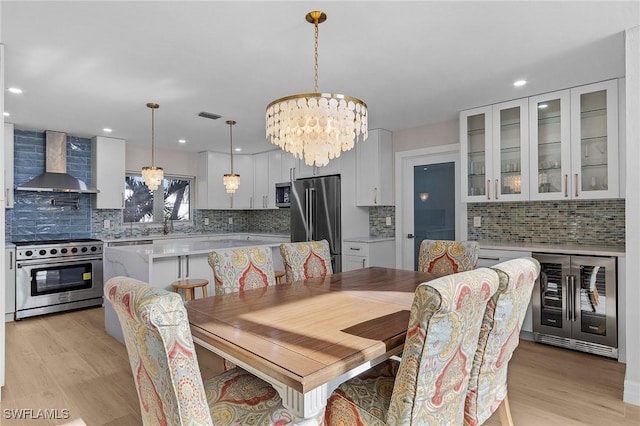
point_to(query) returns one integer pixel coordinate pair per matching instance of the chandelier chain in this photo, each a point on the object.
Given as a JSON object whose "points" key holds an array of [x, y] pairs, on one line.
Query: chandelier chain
{"points": [[315, 58], [152, 136], [231, 144]]}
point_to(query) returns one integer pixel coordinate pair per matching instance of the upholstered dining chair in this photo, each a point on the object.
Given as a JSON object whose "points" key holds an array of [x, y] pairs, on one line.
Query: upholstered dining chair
{"points": [[165, 368], [303, 260], [428, 386], [444, 257], [499, 336], [239, 269]]}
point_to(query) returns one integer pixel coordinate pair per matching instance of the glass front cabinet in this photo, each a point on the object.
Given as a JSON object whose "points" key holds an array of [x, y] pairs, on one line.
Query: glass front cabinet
{"points": [[574, 143], [495, 152]]}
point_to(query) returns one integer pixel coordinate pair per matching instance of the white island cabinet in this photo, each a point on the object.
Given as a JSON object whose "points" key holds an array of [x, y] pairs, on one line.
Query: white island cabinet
{"points": [[360, 253], [165, 261]]}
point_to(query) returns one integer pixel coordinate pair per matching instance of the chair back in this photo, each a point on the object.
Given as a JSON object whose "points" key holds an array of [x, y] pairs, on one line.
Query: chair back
{"points": [[161, 352], [239, 269], [445, 257], [303, 260], [446, 315], [499, 336]]}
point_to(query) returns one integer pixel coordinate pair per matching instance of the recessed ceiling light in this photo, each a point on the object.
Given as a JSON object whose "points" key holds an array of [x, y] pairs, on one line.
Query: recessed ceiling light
{"points": [[15, 90], [182, 140], [542, 106], [238, 149], [519, 83], [6, 114], [107, 130]]}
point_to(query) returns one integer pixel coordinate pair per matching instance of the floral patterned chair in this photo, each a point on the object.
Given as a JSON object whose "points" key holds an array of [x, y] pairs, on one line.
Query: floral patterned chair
{"points": [[165, 367], [444, 257], [239, 269], [306, 260], [499, 336], [429, 384]]}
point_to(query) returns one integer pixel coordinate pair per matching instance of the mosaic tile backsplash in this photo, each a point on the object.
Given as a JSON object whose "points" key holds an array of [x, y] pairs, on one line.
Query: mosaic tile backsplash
{"points": [[593, 222], [378, 221]]}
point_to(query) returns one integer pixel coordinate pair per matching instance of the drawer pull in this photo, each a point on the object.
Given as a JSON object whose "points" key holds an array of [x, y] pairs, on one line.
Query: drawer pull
{"points": [[354, 248], [489, 258]]}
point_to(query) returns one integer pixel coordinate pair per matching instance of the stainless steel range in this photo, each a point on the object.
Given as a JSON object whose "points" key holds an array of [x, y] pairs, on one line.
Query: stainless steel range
{"points": [[55, 276]]}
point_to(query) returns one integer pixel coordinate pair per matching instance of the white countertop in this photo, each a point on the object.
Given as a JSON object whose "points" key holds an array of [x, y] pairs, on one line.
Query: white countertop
{"points": [[187, 246], [368, 239], [173, 236], [577, 249]]}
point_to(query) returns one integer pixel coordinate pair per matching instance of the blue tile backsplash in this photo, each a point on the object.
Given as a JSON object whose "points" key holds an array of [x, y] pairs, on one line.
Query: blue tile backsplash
{"points": [[33, 216]]}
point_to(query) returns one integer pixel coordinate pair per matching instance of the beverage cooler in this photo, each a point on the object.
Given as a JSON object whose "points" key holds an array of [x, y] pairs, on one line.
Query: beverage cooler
{"points": [[574, 303]]}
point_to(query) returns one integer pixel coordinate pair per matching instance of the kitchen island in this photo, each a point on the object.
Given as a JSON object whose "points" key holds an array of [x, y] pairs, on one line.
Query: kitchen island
{"points": [[161, 262]]}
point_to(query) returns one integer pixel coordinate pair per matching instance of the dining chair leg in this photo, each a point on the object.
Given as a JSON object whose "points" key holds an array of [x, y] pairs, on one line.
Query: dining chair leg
{"points": [[188, 294], [505, 412], [204, 291]]}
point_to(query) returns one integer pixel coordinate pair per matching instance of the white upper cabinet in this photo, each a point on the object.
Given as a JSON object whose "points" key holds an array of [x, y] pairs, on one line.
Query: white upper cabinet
{"points": [[242, 199], [495, 152], [8, 165], [288, 167], [374, 169], [304, 171], [594, 141], [211, 193], [268, 170], [574, 143], [108, 171]]}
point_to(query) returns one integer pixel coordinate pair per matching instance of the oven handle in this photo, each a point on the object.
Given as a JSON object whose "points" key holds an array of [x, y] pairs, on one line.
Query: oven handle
{"points": [[21, 263]]}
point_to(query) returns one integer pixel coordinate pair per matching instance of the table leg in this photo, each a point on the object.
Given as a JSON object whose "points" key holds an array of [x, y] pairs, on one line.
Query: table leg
{"points": [[308, 408]]}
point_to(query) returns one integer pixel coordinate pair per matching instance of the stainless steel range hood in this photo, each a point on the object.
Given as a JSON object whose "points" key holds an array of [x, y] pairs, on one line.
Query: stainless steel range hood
{"points": [[55, 178]]}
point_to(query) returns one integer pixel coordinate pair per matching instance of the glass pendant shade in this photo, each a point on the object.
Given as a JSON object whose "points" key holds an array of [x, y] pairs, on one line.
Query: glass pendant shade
{"points": [[316, 126], [231, 180], [151, 175]]}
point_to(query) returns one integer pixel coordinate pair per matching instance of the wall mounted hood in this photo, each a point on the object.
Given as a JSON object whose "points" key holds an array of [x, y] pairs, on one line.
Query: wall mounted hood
{"points": [[55, 178]]}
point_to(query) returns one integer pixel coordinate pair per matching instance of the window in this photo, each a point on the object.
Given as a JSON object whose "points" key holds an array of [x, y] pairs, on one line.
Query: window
{"points": [[172, 200]]}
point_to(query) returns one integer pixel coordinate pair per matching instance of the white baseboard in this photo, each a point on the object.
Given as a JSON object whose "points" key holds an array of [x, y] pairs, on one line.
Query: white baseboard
{"points": [[8, 317], [631, 392]]}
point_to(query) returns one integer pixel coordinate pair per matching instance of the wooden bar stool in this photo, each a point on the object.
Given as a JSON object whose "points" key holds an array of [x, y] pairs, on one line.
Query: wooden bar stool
{"points": [[279, 277], [189, 285]]}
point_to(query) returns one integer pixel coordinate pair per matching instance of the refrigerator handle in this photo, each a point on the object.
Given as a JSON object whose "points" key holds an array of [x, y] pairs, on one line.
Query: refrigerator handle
{"points": [[312, 198], [573, 298], [569, 297]]}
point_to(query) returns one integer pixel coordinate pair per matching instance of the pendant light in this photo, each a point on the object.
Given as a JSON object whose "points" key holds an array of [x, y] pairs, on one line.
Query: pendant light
{"points": [[316, 126], [152, 175], [231, 180]]}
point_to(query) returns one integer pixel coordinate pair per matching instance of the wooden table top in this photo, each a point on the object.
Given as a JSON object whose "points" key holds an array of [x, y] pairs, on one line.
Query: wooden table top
{"points": [[307, 333]]}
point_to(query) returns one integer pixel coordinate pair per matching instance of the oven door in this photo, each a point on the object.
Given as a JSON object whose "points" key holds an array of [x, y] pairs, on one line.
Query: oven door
{"points": [[41, 284]]}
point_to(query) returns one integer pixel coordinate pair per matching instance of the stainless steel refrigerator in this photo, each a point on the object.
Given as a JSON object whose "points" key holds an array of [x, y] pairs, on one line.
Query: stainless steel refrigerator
{"points": [[315, 214]]}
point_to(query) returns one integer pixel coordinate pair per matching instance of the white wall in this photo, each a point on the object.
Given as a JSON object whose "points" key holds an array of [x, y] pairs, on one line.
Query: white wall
{"points": [[632, 317], [427, 136], [173, 162]]}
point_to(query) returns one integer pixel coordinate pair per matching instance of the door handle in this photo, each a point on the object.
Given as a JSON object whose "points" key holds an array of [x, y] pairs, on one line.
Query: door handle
{"points": [[410, 236], [569, 297]]}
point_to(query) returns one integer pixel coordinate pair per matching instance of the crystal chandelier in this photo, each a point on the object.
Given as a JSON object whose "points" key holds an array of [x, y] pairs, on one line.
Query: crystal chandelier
{"points": [[152, 175], [316, 126], [231, 180]]}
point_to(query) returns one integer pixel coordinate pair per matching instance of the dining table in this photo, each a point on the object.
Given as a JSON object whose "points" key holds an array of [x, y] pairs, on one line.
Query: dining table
{"points": [[306, 337]]}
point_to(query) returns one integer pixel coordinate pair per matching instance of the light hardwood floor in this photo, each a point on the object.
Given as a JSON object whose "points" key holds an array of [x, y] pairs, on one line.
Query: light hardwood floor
{"points": [[67, 361]]}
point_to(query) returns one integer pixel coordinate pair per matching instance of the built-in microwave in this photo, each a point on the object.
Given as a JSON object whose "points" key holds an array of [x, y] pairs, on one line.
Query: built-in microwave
{"points": [[283, 190]]}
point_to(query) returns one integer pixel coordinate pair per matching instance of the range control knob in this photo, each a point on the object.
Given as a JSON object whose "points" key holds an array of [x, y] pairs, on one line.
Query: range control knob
{"points": [[53, 251], [63, 251], [94, 248], [84, 249], [42, 252], [28, 253], [74, 250]]}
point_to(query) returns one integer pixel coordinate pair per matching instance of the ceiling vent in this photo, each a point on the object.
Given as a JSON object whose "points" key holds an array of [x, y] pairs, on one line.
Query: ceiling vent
{"points": [[209, 115]]}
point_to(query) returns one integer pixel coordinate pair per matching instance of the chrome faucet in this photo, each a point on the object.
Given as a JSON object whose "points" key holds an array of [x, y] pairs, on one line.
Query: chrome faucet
{"points": [[167, 225]]}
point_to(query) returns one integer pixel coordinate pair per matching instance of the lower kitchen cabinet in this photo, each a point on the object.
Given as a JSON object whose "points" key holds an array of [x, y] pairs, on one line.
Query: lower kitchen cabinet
{"points": [[359, 253], [10, 283]]}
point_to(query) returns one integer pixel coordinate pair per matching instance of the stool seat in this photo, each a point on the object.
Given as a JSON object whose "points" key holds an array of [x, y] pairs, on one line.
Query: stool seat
{"points": [[189, 285], [279, 275]]}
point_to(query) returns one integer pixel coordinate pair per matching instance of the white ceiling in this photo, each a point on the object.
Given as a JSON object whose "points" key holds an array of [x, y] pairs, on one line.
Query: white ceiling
{"points": [[85, 65]]}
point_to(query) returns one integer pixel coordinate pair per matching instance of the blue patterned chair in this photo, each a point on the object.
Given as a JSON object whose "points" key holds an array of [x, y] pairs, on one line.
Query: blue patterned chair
{"points": [[304, 260], [499, 336], [239, 269], [165, 367], [445, 257], [428, 386]]}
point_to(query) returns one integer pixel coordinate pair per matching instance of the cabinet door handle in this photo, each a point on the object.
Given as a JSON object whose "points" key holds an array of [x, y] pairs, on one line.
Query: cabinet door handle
{"points": [[354, 248], [363, 261], [488, 189], [375, 195], [496, 194], [187, 257], [251, 202], [568, 297], [575, 179], [6, 198], [11, 260], [179, 266], [566, 186]]}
